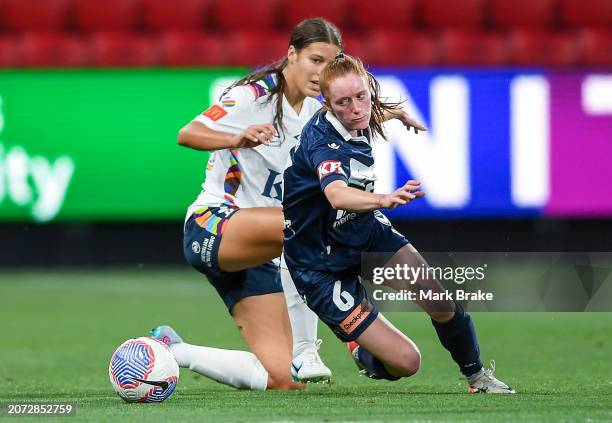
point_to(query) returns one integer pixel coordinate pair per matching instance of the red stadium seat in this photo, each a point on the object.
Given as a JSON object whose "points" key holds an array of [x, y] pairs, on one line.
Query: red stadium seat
{"points": [[256, 49], [36, 15], [445, 13], [395, 14], [357, 45], [522, 13], [587, 13], [52, 50], [191, 49], [237, 15], [596, 47], [333, 10], [533, 47], [106, 15], [469, 47], [183, 15], [391, 48], [8, 52], [116, 49]]}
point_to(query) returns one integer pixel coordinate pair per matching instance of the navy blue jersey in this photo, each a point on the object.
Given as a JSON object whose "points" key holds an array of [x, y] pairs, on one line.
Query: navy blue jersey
{"points": [[317, 236]]}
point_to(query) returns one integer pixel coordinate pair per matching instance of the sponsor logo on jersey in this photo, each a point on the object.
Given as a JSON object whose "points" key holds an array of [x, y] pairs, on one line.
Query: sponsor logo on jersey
{"points": [[356, 318], [342, 217], [333, 145], [329, 167], [195, 247], [228, 102], [215, 112]]}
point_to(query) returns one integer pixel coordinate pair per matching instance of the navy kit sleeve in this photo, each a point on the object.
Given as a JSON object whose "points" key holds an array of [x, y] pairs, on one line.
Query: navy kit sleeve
{"points": [[330, 163]]}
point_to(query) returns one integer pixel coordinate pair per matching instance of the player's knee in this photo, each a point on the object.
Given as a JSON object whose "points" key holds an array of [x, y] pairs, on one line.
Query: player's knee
{"points": [[409, 363]]}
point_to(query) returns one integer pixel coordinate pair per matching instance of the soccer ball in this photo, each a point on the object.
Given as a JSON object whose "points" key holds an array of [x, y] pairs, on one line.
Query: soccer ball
{"points": [[143, 370]]}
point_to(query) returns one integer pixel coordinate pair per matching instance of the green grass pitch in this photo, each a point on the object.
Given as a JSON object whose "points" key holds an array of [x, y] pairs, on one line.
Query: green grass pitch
{"points": [[59, 330]]}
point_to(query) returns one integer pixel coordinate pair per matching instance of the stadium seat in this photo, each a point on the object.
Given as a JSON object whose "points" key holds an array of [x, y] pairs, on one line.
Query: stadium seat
{"points": [[522, 13], [191, 49], [36, 15], [256, 48], [596, 46], [232, 15], [533, 47], [184, 15], [8, 51], [587, 13], [471, 47], [358, 45], [52, 50], [445, 13], [106, 15], [116, 49], [395, 48], [395, 15], [333, 10]]}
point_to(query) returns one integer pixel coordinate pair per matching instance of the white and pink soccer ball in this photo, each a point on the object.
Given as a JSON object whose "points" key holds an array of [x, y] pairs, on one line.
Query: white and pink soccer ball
{"points": [[143, 370]]}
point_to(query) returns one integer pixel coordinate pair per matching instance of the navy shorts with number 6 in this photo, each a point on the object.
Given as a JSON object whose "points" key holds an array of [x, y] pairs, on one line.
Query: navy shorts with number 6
{"points": [[339, 300]]}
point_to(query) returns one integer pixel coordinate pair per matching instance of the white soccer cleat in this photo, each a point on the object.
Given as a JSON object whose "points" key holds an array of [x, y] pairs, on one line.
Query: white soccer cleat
{"points": [[166, 334], [308, 366], [485, 383]]}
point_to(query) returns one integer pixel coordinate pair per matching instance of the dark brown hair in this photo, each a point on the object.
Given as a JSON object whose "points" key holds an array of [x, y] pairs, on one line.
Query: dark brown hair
{"points": [[307, 32], [344, 64]]}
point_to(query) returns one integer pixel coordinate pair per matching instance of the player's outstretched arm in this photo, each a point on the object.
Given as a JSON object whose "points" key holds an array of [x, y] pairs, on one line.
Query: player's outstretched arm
{"points": [[198, 136], [343, 197]]}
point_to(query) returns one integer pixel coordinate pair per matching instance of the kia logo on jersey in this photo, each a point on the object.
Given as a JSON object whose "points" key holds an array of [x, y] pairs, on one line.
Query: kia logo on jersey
{"points": [[328, 167]]}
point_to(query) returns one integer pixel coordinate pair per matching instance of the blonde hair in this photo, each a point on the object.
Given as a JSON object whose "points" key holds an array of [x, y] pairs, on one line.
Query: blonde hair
{"points": [[344, 64]]}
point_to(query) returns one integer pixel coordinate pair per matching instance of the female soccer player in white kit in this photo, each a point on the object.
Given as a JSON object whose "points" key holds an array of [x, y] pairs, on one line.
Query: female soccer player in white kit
{"points": [[233, 230]]}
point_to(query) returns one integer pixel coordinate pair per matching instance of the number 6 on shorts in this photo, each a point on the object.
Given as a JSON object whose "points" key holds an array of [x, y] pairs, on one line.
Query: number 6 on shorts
{"points": [[342, 299]]}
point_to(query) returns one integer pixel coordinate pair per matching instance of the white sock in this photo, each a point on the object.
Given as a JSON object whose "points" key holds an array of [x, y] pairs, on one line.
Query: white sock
{"points": [[240, 369], [303, 320]]}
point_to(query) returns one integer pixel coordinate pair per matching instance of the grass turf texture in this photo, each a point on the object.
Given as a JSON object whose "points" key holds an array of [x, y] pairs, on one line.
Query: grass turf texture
{"points": [[60, 328]]}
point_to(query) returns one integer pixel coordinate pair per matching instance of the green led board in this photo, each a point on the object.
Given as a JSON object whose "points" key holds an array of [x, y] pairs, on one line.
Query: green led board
{"points": [[101, 144]]}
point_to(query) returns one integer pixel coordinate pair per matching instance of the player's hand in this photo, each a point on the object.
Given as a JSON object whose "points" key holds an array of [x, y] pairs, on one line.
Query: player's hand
{"points": [[253, 136], [408, 121], [403, 195]]}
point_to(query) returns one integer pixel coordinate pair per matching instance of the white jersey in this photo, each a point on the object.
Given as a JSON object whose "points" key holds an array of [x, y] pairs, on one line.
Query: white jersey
{"points": [[250, 177]]}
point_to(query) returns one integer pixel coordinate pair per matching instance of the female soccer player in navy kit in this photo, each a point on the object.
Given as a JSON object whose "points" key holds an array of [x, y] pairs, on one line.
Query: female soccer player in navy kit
{"points": [[331, 217]]}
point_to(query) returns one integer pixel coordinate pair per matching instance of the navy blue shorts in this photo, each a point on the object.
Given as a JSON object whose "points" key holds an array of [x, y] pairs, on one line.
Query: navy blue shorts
{"points": [[201, 241], [339, 298]]}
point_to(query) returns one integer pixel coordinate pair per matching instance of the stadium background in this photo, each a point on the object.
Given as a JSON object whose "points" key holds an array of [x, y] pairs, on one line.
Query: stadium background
{"points": [[93, 187]]}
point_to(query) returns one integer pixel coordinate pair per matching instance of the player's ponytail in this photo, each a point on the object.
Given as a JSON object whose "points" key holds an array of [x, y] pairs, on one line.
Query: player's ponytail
{"points": [[307, 32], [344, 64]]}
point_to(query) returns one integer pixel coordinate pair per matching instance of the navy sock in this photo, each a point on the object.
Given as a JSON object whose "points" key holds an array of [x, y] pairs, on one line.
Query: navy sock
{"points": [[458, 336], [374, 365]]}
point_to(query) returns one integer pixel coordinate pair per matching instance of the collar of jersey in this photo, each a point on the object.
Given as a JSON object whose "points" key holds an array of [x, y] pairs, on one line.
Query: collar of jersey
{"points": [[342, 130]]}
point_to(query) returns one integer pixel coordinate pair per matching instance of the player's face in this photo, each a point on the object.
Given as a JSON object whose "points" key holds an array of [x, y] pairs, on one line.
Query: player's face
{"points": [[350, 100], [308, 63]]}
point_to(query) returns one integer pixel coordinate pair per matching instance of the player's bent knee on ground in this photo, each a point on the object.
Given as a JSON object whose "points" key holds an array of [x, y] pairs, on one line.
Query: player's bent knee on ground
{"points": [[406, 362]]}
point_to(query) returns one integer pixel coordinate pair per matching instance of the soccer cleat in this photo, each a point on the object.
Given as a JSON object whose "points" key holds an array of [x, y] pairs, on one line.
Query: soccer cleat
{"points": [[308, 366], [485, 383], [353, 348], [166, 334]]}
